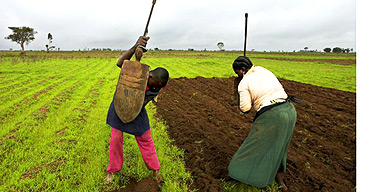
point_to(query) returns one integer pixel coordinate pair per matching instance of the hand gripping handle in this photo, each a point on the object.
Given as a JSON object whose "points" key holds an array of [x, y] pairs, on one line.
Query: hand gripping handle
{"points": [[141, 49]]}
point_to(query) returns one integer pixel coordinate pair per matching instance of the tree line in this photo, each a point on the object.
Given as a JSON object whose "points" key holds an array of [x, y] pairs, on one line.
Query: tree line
{"points": [[338, 50]]}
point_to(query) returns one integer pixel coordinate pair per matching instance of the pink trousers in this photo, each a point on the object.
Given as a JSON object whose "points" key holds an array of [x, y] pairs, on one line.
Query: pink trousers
{"points": [[145, 144]]}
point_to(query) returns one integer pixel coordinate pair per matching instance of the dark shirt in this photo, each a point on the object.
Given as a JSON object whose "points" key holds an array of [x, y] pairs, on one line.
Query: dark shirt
{"points": [[136, 127]]}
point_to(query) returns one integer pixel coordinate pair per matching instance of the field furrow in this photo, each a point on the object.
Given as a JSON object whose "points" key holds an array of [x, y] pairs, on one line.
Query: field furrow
{"points": [[54, 135], [202, 121], [66, 76], [18, 69], [13, 83], [47, 122], [40, 97]]}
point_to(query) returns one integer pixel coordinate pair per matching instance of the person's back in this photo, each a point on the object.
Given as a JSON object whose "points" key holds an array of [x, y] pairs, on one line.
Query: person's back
{"points": [[262, 86]]}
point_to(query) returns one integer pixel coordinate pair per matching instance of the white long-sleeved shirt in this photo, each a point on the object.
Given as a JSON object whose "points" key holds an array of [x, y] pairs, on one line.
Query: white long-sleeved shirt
{"points": [[258, 86]]}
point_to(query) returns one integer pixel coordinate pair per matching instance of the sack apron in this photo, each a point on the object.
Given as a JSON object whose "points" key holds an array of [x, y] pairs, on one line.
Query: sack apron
{"points": [[264, 152]]}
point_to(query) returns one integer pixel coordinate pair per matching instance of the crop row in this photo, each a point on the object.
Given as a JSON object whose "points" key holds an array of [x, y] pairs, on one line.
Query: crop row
{"points": [[54, 136], [52, 116]]}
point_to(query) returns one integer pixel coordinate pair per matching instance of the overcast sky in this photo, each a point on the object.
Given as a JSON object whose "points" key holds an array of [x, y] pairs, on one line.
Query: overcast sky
{"points": [[200, 24]]}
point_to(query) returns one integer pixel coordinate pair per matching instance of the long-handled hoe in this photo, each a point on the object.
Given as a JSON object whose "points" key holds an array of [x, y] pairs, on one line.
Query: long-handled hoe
{"points": [[245, 35], [235, 97], [131, 86]]}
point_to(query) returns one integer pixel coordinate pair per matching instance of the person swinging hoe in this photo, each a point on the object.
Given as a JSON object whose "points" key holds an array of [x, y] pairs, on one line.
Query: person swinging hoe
{"points": [[124, 116], [137, 85]]}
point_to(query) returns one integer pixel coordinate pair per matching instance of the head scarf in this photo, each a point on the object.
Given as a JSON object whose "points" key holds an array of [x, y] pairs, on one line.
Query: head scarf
{"points": [[242, 62]]}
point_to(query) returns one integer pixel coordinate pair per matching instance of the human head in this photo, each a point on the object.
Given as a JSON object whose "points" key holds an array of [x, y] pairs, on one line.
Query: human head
{"points": [[241, 65], [158, 78]]}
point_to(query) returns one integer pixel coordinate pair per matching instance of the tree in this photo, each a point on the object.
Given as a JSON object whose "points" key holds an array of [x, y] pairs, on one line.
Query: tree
{"points": [[22, 35], [220, 45], [48, 47], [336, 50], [327, 50], [306, 48]]}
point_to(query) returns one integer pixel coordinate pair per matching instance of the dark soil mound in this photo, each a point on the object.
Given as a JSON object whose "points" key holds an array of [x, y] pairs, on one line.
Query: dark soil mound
{"points": [[203, 122], [144, 185]]}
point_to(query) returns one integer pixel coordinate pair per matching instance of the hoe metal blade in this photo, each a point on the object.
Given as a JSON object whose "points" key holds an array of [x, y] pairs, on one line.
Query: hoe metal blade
{"points": [[130, 90]]}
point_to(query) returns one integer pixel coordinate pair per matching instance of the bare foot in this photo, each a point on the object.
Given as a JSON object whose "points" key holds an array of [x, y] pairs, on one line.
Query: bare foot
{"points": [[158, 176], [109, 178], [279, 179]]}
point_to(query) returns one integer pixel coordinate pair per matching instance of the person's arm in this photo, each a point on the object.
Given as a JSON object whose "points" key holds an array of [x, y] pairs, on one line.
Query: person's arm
{"points": [[129, 53], [245, 102], [235, 96]]}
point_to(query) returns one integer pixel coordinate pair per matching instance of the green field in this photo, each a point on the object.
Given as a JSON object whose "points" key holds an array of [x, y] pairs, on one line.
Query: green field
{"points": [[53, 134]]}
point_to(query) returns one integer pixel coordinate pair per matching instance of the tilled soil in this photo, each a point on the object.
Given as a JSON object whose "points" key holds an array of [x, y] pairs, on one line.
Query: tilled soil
{"points": [[203, 122]]}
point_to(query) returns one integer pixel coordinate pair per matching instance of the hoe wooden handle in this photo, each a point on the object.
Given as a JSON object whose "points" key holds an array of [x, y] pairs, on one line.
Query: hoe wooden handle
{"points": [[245, 35], [140, 49]]}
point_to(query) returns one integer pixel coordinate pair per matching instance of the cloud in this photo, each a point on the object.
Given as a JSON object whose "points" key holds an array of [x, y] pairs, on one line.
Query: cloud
{"points": [[273, 25]]}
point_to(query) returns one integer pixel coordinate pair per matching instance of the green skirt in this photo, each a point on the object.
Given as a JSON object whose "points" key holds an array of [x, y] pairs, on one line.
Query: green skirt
{"points": [[264, 152]]}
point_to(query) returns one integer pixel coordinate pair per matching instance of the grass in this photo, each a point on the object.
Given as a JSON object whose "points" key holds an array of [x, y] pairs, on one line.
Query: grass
{"points": [[53, 134], [341, 77]]}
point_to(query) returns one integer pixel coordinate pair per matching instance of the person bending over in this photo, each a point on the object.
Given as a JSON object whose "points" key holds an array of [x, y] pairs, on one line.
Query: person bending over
{"points": [[262, 156]]}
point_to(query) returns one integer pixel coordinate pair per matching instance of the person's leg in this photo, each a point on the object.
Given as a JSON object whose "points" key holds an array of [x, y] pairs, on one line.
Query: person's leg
{"points": [[258, 159], [282, 168], [147, 148], [116, 153], [279, 179], [280, 176]]}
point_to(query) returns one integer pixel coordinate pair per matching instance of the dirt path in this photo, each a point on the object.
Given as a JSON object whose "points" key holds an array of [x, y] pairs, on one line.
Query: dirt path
{"points": [[202, 121]]}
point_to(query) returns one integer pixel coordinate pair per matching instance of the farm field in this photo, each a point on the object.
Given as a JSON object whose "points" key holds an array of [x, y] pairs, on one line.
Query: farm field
{"points": [[53, 135], [203, 122]]}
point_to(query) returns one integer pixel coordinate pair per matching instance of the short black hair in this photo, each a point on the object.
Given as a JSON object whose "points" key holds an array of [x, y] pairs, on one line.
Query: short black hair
{"points": [[242, 62], [160, 74]]}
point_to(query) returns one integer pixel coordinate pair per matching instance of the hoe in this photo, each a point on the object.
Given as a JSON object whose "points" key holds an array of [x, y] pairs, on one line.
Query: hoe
{"points": [[131, 86], [235, 97]]}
